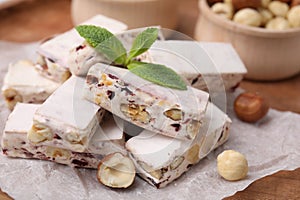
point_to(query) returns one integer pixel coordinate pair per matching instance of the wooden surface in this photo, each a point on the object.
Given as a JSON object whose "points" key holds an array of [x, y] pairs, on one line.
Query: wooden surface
{"points": [[36, 19]]}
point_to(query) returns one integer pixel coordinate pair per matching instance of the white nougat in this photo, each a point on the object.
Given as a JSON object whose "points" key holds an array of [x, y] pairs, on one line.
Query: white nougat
{"points": [[107, 139], [160, 159]]}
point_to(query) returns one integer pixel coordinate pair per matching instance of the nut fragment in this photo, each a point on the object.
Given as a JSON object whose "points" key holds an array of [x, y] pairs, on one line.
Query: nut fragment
{"points": [[176, 162], [73, 137], [248, 16], [232, 165], [223, 9], [39, 133], [192, 128], [278, 8], [250, 107], [278, 23], [154, 173], [116, 171], [174, 114], [136, 112], [57, 153], [193, 154], [11, 97], [240, 4], [294, 16]]}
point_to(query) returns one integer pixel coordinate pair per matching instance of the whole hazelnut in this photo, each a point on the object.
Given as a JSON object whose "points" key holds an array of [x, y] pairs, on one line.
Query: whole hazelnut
{"points": [[278, 8], [295, 3], [278, 23], [232, 165], [294, 16], [266, 15], [248, 16], [240, 4], [223, 9], [250, 107]]}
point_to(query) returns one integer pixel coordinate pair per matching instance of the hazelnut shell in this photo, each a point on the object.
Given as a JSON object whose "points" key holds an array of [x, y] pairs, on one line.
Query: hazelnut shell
{"points": [[250, 107]]}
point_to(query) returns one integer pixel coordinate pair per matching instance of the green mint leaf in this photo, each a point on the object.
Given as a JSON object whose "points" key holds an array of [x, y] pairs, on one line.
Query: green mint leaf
{"points": [[104, 42], [113, 49], [143, 42], [94, 35], [158, 74]]}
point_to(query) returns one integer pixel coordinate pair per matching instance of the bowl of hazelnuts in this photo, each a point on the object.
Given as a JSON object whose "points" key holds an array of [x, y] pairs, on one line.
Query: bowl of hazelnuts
{"points": [[265, 33]]}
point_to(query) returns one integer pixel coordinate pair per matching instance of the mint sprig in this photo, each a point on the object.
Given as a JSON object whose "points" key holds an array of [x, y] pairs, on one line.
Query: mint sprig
{"points": [[109, 45]]}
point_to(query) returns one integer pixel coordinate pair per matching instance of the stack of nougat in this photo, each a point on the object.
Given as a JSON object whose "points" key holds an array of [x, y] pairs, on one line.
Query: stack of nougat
{"points": [[69, 107]]}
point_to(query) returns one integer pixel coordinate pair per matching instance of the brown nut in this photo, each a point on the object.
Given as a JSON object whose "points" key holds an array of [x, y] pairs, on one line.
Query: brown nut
{"points": [[250, 107], [116, 170], [240, 4], [211, 2], [265, 3], [285, 1], [295, 3]]}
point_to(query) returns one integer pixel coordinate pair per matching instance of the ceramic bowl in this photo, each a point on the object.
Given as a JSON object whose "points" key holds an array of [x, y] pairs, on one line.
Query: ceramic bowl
{"points": [[135, 13], [268, 55]]}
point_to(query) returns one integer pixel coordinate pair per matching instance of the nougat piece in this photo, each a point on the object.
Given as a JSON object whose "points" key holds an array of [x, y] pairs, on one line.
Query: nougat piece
{"points": [[107, 139], [54, 53], [159, 159], [84, 56], [22, 83], [175, 113], [206, 65], [65, 119]]}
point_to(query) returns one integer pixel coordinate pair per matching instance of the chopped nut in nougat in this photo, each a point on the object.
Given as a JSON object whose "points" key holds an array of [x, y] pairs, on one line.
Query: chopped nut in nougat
{"points": [[294, 16], [160, 159], [73, 119], [278, 23], [144, 104], [223, 9], [116, 171], [56, 51], [22, 83], [248, 16], [108, 139]]}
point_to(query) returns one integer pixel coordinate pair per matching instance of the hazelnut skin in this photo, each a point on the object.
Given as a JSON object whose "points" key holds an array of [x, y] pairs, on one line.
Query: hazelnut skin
{"points": [[295, 3], [240, 4], [250, 107]]}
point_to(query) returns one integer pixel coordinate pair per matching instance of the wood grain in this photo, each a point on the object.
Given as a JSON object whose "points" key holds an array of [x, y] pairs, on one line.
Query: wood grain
{"points": [[34, 20]]}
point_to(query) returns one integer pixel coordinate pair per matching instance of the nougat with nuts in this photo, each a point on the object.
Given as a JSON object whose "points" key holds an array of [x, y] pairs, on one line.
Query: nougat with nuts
{"points": [[22, 83], [207, 65], [107, 139], [83, 56], [54, 52], [175, 113], [159, 159], [65, 119]]}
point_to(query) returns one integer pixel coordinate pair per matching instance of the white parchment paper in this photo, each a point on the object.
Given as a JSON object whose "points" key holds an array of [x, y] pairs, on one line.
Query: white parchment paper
{"points": [[270, 145]]}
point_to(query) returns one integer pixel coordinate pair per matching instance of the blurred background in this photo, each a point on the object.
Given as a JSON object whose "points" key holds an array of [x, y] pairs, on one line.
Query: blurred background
{"points": [[33, 20]]}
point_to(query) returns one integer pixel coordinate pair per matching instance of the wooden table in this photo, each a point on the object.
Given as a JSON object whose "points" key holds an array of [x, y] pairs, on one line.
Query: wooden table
{"points": [[33, 20]]}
